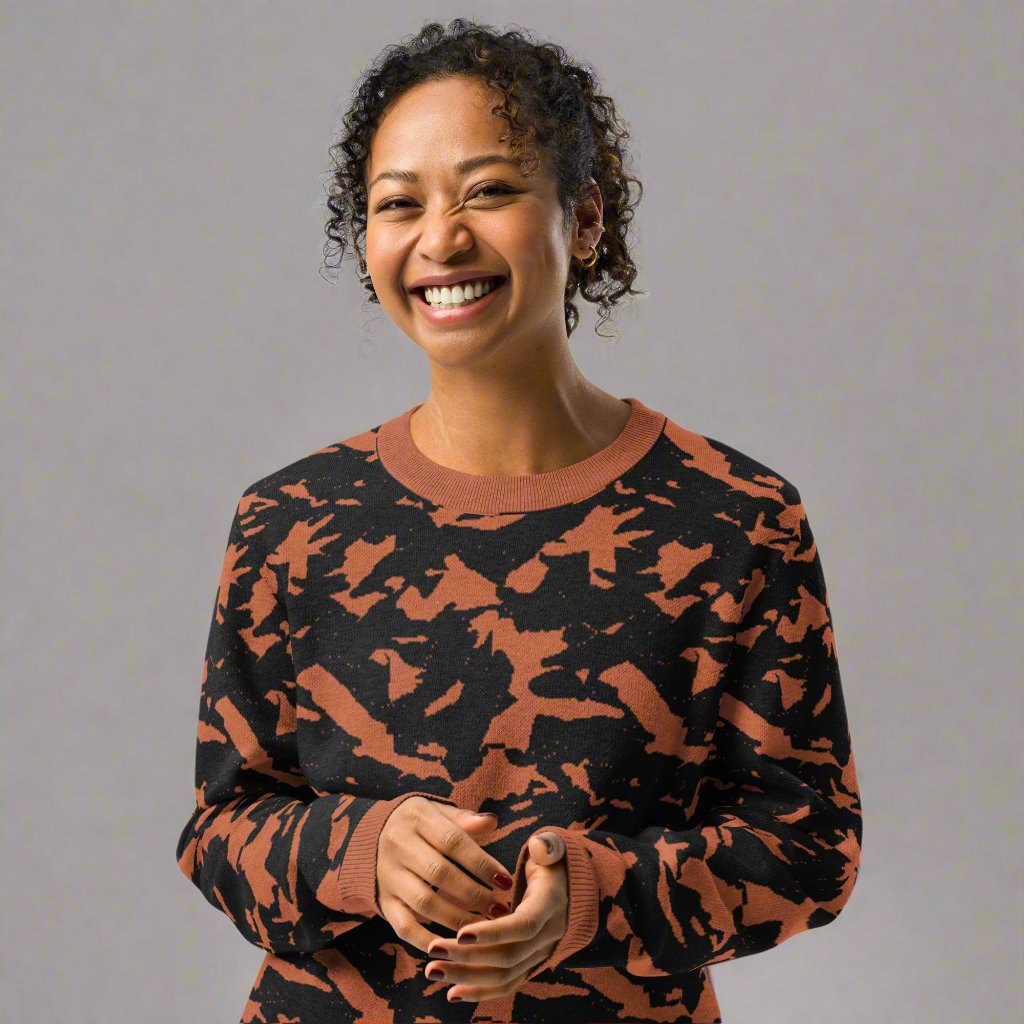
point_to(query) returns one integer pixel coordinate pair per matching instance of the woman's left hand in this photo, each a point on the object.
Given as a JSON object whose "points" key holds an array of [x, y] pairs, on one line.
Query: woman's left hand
{"points": [[509, 947]]}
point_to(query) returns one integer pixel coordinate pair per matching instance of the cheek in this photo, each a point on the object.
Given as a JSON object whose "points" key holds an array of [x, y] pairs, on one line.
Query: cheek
{"points": [[549, 246], [537, 251], [381, 258]]}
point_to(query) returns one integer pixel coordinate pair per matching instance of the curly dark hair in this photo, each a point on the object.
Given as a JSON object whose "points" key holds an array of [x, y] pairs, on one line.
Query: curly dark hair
{"points": [[549, 101]]}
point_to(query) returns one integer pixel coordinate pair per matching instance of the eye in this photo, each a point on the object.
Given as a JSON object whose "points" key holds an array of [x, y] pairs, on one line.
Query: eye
{"points": [[495, 187], [390, 204]]}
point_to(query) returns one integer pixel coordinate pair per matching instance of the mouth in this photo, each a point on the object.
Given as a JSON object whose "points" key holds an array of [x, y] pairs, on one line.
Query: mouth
{"points": [[462, 312]]}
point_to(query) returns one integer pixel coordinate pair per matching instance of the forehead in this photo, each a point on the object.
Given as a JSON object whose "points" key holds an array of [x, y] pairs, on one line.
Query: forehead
{"points": [[433, 125]]}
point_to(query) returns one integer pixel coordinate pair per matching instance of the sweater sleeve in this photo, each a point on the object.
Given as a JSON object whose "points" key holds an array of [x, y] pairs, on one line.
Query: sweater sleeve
{"points": [[777, 851], [292, 869]]}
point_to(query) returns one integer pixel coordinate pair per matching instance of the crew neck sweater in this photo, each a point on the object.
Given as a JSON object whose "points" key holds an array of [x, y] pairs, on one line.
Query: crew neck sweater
{"points": [[635, 651]]}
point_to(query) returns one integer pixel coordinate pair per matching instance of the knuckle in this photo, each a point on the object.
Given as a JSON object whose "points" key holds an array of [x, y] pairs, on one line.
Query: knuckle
{"points": [[437, 872], [414, 805], [422, 901], [451, 838], [531, 925], [403, 816]]}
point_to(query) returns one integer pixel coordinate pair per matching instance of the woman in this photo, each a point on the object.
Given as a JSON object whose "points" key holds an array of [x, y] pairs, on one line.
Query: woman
{"points": [[523, 704]]}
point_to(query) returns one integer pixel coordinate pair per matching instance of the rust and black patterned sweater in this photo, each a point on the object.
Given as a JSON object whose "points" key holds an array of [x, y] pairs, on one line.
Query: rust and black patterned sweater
{"points": [[635, 650]]}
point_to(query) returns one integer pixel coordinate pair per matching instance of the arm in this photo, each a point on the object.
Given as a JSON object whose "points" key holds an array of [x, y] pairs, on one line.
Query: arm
{"points": [[778, 851], [291, 869]]}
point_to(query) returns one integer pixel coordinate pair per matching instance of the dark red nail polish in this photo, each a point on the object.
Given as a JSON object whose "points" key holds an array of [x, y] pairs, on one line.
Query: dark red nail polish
{"points": [[503, 880], [497, 910], [455, 999], [436, 973], [468, 937]]}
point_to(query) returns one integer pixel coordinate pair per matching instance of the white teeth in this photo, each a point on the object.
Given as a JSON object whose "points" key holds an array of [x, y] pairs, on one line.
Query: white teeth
{"points": [[460, 294]]}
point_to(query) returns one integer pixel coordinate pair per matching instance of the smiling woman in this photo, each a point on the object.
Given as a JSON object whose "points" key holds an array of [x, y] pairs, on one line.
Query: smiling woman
{"points": [[508, 132], [522, 704]]}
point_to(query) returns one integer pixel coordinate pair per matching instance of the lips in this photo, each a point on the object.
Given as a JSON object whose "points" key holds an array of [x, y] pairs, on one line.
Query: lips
{"points": [[453, 315]]}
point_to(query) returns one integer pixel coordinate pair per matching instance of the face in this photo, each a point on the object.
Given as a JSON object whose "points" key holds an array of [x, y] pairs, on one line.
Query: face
{"points": [[489, 219]]}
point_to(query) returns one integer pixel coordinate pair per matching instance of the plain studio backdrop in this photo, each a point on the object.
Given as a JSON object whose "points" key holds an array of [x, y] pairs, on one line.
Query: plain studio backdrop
{"points": [[831, 237]]}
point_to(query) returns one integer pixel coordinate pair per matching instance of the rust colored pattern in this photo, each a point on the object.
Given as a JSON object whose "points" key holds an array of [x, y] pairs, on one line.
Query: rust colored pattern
{"points": [[636, 651]]}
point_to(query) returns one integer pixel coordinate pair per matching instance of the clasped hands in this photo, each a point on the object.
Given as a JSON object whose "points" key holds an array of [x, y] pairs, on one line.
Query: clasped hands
{"points": [[488, 958]]}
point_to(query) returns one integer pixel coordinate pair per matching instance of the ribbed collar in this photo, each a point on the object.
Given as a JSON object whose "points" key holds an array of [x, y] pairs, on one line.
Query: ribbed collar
{"points": [[526, 492]]}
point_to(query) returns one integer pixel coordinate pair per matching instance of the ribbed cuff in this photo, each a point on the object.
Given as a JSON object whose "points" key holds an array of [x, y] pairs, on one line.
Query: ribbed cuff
{"points": [[357, 879], [581, 926]]}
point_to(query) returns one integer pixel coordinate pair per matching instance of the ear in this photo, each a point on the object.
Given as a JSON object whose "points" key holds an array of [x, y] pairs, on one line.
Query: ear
{"points": [[589, 227]]}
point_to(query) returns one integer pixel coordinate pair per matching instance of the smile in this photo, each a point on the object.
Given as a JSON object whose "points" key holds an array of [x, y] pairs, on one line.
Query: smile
{"points": [[458, 314]]}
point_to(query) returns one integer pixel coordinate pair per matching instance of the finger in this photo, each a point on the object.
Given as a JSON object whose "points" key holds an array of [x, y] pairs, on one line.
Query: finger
{"points": [[460, 900], [489, 876], [491, 983], [405, 924], [546, 847], [502, 954], [484, 820], [525, 922]]}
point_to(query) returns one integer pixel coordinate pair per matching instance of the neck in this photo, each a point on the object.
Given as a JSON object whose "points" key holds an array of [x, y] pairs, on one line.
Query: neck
{"points": [[498, 425]]}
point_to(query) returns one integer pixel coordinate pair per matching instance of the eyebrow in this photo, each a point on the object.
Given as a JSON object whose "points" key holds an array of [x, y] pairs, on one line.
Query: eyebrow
{"points": [[463, 167]]}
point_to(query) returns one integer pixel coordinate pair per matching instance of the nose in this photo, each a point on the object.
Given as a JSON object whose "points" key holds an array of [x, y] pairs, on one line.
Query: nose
{"points": [[443, 238]]}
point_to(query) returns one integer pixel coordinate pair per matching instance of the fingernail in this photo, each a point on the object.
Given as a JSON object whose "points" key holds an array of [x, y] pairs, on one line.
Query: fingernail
{"points": [[547, 844], [497, 910], [503, 880], [486, 814], [438, 953], [468, 937], [455, 999], [436, 974]]}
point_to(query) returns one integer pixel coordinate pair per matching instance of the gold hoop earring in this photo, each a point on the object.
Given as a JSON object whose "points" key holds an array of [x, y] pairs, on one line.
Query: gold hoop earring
{"points": [[593, 259]]}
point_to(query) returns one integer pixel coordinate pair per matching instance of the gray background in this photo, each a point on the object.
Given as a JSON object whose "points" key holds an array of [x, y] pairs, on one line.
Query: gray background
{"points": [[831, 236]]}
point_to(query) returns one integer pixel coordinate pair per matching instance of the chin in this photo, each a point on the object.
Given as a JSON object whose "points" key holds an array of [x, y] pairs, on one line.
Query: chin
{"points": [[458, 353]]}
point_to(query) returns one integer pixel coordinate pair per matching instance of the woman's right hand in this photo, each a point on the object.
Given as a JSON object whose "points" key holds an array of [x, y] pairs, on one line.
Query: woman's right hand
{"points": [[420, 846]]}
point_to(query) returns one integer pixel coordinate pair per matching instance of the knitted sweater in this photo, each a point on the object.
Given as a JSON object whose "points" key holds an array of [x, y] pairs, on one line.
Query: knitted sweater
{"points": [[635, 651]]}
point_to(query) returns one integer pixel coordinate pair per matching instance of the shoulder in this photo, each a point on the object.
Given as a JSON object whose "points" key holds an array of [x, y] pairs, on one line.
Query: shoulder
{"points": [[739, 469], [311, 488], [734, 485], [335, 464]]}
